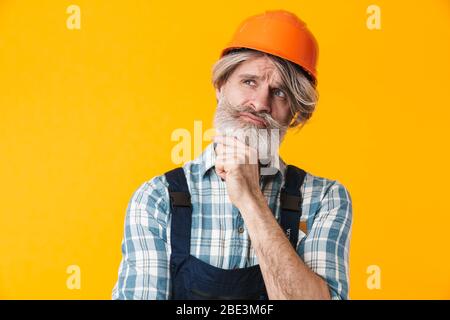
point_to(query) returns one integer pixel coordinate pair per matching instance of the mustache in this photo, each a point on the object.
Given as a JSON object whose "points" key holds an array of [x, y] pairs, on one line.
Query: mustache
{"points": [[235, 112]]}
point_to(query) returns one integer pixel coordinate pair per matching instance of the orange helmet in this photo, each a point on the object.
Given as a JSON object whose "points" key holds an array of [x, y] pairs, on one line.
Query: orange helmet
{"points": [[280, 33]]}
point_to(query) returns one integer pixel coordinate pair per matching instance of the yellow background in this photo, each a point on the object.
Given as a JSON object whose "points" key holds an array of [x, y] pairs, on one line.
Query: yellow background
{"points": [[86, 117]]}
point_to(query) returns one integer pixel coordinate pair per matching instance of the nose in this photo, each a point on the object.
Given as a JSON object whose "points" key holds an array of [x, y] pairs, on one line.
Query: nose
{"points": [[261, 101]]}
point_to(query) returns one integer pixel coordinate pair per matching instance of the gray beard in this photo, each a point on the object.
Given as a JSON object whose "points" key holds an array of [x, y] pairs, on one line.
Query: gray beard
{"points": [[265, 140]]}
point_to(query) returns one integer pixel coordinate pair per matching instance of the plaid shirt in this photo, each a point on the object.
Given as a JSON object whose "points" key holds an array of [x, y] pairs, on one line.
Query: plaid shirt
{"points": [[219, 236]]}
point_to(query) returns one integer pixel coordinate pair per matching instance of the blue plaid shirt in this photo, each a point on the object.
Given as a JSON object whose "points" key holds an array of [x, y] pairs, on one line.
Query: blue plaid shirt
{"points": [[219, 236]]}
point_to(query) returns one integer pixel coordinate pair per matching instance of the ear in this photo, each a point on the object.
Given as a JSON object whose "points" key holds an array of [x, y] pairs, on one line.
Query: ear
{"points": [[218, 92]]}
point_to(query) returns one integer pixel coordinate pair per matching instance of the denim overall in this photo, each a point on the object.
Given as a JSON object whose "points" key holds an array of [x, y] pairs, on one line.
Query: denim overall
{"points": [[194, 279]]}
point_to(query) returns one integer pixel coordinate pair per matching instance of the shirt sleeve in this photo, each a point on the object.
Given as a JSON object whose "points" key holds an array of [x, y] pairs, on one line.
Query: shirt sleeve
{"points": [[144, 272], [326, 247]]}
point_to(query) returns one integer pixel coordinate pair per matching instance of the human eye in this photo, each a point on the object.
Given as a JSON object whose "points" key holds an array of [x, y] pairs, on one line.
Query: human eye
{"points": [[249, 82], [279, 93]]}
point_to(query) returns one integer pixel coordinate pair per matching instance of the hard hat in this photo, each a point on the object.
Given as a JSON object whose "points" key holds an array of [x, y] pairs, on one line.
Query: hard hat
{"points": [[280, 33]]}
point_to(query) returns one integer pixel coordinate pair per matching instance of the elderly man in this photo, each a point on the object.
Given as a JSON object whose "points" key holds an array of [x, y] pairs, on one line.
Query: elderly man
{"points": [[237, 222]]}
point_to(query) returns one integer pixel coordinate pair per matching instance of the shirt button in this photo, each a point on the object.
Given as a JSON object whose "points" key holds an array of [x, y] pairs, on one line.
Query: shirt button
{"points": [[241, 229]]}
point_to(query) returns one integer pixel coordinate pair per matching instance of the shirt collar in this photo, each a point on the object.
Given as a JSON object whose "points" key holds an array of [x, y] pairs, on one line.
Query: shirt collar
{"points": [[207, 161]]}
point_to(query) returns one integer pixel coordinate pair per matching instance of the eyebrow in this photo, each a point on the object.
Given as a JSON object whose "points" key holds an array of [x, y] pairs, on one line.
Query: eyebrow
{"points": [[278, 85]]}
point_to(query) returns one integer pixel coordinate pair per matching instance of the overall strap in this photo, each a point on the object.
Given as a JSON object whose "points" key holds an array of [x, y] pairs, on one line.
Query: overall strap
{"points": [[181, 208], [291, 203]]}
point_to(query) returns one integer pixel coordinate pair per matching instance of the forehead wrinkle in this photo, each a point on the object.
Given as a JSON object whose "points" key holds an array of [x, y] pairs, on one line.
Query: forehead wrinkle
{"points": [[263, 69]]}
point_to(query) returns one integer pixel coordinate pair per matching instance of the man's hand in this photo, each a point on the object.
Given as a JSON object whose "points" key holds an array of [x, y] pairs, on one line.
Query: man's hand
{"points": [[237, 164], [285, 274]]}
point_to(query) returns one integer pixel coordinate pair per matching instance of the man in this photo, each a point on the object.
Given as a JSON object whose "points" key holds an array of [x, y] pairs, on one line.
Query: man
{"points": [[237, 222]]}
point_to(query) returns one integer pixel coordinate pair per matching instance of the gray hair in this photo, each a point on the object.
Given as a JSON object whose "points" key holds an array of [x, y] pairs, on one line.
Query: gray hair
{"points": [[301, 87]]}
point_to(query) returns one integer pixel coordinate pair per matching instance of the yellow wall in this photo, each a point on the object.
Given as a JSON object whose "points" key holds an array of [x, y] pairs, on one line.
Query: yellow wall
{"points": [[86, 116]]}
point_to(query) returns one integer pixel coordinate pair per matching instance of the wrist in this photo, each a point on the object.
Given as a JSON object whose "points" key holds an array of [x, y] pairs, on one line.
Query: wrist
{"points": [[252, 202]]}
